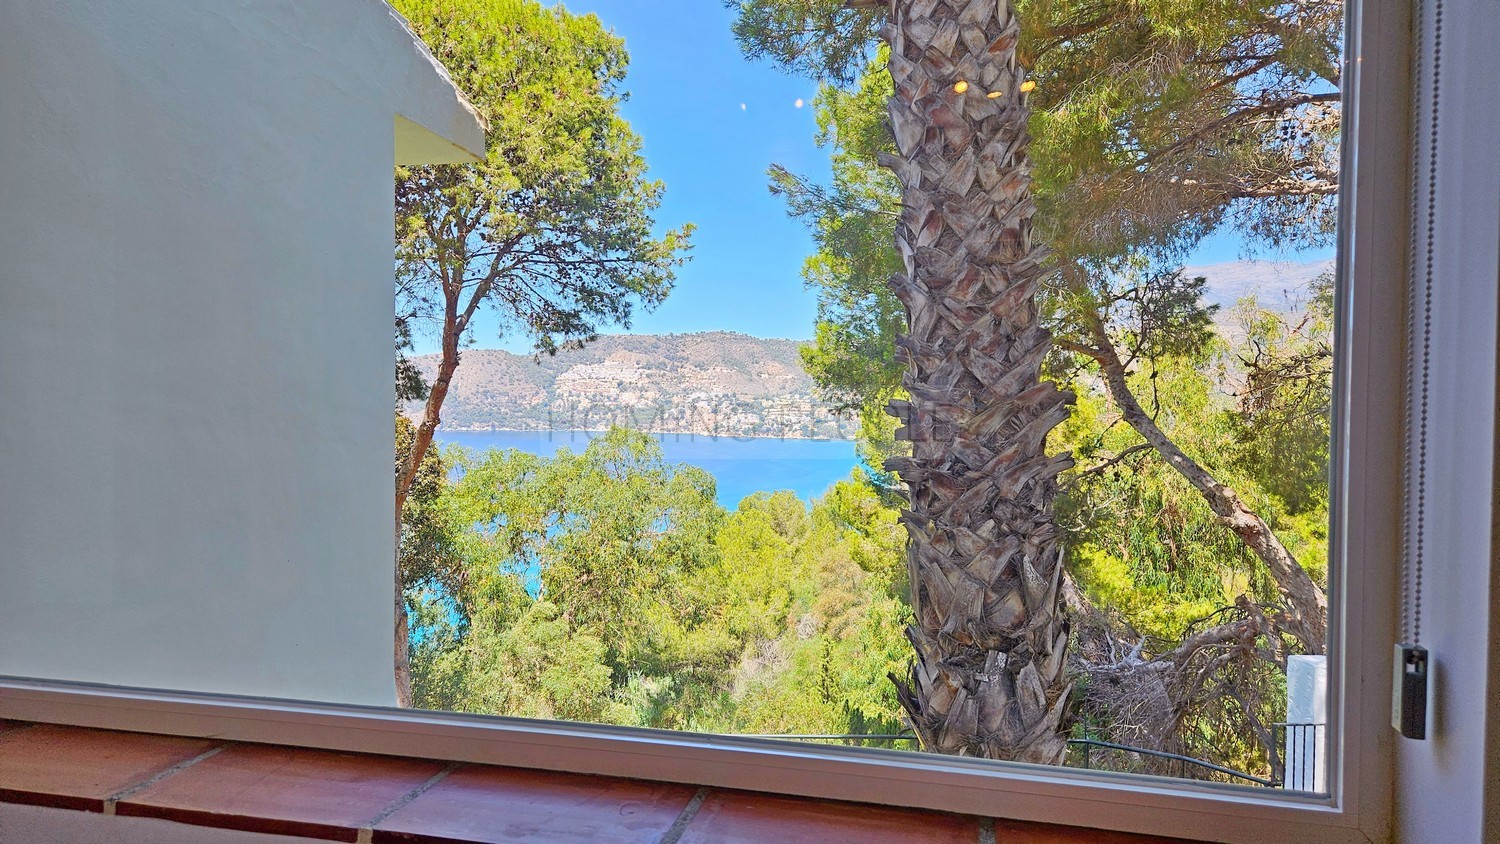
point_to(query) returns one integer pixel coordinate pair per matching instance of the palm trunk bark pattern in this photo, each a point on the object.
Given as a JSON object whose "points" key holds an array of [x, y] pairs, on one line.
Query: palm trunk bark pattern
{"points": [[984, 553]]}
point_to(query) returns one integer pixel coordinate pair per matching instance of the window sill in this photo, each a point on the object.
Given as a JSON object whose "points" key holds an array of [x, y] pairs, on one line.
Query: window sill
{"points": [[324, 795], [855, 775]]}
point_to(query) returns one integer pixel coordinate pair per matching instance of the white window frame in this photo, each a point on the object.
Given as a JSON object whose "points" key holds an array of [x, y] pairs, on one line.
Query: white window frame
{"points": [[1365, 542]]}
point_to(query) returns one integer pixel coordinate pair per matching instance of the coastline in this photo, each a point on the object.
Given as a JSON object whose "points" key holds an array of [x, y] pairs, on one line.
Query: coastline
{"points": [[442, 429], [740, 465]]}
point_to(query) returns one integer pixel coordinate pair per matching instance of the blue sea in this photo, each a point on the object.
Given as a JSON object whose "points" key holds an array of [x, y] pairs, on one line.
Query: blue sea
{"points": [[741, 465]]}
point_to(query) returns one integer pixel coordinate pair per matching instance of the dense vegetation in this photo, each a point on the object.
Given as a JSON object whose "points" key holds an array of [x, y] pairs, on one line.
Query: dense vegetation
{"points": [[553, 233], [609, 586], [1200, 454]]}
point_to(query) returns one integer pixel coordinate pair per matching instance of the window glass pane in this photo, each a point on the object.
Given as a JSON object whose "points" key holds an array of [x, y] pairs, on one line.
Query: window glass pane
{"points": [[918, 523], [942, 376]]}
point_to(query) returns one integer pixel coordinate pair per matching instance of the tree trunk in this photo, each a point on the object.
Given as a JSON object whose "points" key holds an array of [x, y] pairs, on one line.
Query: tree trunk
{"points": [[402, 650], [431, 418], [453, 327], [983, 553], [1306, 612]]}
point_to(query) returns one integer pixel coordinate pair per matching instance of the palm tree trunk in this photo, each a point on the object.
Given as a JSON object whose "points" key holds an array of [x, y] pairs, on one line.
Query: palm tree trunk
{"points": [[984, 557]]}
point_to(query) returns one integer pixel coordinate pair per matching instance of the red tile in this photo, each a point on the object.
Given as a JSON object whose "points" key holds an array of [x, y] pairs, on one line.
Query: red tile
{"points": [[739, 816], [485, 805], [1018, 832], [75, 768], [280, 790]]}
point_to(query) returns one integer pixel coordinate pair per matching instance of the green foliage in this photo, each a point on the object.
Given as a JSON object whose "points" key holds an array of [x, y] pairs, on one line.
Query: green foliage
{"points": [[1155, 606], [610, 534], [1153, 122], [1166, 316], [427, 534], [1141, 540], [1142, 144], [1157, 122], [410, 385], [1283, 426], [1150, 556], [555, 229], [609, 586], [820, 39], [540, 666], [853, 221]]}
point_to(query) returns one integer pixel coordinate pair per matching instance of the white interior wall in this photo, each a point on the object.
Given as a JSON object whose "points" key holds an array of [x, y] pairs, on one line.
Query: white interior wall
{"points": [[195, 340], [1440, 784]]}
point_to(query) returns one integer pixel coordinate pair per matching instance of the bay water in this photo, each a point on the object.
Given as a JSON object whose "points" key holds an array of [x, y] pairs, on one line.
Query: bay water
{"points": [[741, 465]]}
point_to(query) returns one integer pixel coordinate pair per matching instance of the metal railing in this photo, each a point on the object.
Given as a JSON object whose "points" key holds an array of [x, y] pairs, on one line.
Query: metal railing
{"points": [[832, 736], [1184, 762], [1300, 742]]}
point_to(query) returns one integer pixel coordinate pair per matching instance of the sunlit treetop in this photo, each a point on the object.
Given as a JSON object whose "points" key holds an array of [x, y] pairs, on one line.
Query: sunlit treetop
{"points": [[1154, 121]]}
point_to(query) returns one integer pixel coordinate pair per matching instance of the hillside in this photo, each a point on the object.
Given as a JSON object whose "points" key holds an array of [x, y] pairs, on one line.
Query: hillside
{"points": [[715, 383], [723, 383], [1276, 285]]}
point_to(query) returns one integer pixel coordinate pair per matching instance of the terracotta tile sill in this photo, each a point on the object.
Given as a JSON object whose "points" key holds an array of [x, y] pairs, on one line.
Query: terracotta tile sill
{"points": [[356, 797], [740, 817], [288, 791], [67, 768], [484, 804]]}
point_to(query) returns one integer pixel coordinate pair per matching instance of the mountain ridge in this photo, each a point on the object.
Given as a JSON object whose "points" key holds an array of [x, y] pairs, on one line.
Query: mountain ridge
{"points": [[1276, 285], [724, 383], [719, 383]]}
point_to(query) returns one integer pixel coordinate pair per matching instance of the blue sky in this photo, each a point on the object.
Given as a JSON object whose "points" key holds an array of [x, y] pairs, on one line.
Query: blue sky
{"points": [[711, 123]]}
